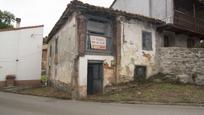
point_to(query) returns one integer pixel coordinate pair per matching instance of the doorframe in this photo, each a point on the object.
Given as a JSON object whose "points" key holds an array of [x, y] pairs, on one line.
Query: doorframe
{"points": [[96, 62]]}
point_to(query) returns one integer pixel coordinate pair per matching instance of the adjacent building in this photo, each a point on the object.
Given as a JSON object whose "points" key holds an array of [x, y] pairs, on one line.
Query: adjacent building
{"points": [[92, 47], [20, 56], [184, 18], [181, 33]]}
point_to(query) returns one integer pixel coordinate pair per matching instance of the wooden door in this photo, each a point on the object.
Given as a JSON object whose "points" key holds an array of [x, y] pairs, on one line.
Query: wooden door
{"points": [[95, 78]]}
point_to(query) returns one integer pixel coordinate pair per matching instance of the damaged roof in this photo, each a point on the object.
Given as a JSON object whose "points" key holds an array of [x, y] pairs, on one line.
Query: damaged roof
{"points": [[76, 5]]}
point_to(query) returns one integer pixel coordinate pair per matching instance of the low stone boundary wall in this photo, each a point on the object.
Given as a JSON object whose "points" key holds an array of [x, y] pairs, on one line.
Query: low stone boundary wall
{"points": [[60, 86], [183, 64]]}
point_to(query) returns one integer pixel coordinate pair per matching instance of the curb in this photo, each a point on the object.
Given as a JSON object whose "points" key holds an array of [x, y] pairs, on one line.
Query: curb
{"points": [[27, 94], [147, 103], [119, 102]]}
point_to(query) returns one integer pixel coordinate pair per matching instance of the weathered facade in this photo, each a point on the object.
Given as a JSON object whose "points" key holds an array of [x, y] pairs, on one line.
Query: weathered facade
{"points": [[132, 52], [91, 47], [63, 51]]}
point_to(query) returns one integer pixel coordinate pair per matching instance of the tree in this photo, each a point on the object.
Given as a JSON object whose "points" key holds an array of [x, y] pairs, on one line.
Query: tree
{"points": [[6, 18]]}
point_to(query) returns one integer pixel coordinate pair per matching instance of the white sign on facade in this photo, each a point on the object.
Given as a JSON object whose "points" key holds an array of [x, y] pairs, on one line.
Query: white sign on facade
{"points": [[98, 42]]}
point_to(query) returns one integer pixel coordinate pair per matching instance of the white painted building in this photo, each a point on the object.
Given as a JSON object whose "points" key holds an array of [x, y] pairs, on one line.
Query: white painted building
{"points": [[21, 54]]}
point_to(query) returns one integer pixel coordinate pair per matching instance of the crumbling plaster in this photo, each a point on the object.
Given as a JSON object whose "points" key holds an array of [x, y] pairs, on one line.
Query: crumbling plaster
{"points": [[67, 52], [131, 49]]}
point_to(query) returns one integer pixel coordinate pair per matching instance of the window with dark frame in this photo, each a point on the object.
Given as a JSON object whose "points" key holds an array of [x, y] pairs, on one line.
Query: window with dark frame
{"points": [[101, 28], [190, 43], [146, 40], [166, 41]]}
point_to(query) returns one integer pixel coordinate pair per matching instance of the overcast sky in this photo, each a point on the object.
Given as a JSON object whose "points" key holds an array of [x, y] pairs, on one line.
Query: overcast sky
{"points": [[42, 12]]}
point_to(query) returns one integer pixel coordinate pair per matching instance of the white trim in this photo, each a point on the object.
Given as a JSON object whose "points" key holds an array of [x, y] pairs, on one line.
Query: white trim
{"points": [[83, 66]]}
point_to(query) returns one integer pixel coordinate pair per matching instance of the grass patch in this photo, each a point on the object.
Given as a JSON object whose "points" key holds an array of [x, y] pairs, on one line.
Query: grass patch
{"points": [[155, 92], [46, 92]]}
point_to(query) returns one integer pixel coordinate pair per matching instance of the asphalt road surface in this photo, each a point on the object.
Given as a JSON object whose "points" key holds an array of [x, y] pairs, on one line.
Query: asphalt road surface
{"points": [[13, 104]]}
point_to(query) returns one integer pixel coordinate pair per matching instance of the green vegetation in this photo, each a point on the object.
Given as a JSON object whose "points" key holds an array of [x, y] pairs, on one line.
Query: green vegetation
{"points": [[6, 18], [44, 79], [46, 92], [154, 92]]}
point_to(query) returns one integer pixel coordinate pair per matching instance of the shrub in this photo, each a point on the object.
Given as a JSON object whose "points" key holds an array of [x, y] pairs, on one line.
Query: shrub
{"points": [[44, 79]]}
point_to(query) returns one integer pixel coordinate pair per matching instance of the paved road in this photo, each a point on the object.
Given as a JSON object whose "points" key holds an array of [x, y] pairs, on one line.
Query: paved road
{"points": [[13, 104]]}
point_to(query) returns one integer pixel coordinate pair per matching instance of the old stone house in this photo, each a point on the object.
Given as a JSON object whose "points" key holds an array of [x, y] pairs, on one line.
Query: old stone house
{"points": [[92, 47]]}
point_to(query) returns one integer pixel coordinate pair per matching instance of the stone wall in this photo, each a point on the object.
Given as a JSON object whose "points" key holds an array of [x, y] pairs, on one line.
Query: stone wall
{"points": [[61, 86], [185, 65]]}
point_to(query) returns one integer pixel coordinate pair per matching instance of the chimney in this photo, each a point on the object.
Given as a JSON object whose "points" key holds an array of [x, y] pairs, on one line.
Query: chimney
{"points": [[18, 22]]}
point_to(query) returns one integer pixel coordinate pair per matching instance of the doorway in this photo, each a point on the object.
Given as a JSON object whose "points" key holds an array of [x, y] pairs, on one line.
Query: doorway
{"points": [[95, 78]]}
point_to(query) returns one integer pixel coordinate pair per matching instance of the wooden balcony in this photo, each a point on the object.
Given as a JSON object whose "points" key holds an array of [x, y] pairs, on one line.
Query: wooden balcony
{"points": [[188, 22]]}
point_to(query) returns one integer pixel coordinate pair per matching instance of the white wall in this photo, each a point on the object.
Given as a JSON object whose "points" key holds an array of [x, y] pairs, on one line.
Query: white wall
{"points": [[159, 9], [163, 10], [24, 45], [133, 6]]}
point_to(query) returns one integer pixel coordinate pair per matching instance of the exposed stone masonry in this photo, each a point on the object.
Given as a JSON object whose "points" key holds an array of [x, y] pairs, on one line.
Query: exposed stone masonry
{"points": [[61, 86], [186, 65]]}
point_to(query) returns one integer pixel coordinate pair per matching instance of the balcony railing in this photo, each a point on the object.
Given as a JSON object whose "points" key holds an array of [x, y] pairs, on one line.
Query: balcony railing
{"points": [[188, 22]]}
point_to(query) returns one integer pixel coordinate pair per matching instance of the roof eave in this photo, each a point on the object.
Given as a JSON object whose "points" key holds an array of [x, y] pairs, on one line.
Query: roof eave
{"points": [[79, 6], [112, 4]]}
